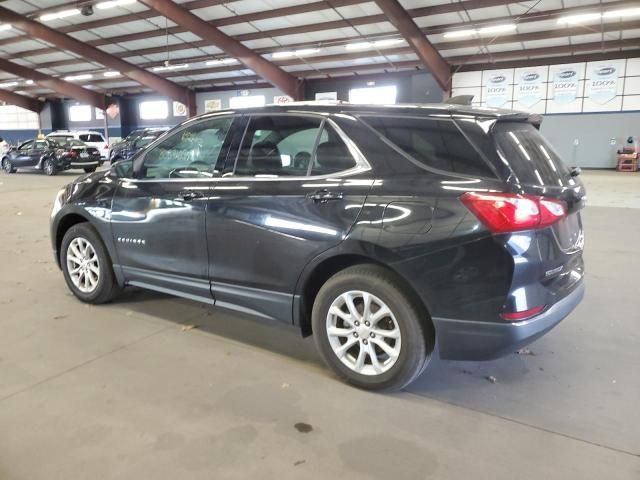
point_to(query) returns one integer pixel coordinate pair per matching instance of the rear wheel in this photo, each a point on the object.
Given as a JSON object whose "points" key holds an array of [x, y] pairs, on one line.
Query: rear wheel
{"points": [[48, 167], [369, 331], [86, 265], [90, 169], [8, 166]]}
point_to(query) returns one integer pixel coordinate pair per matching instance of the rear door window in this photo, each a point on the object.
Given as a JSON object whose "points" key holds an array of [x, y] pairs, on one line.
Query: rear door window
{"points": [[530, 156], [91, 137], [432, 142], [278, 145]]}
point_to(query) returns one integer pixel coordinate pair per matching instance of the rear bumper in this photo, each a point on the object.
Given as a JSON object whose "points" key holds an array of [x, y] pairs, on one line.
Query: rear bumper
{"points": [[89, 163], [469, 340]]}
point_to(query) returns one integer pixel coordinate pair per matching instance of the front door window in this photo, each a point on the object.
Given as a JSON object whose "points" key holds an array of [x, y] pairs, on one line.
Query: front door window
{"points": [[192, 152]]}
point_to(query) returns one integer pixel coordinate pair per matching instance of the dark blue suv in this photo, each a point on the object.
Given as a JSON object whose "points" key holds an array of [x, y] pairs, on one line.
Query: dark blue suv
{"points": [[380, 230]]}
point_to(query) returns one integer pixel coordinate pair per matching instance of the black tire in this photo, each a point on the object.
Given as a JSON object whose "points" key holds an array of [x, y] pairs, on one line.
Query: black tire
{"points": [[416, 329], [90, 169], [107, 288], [8, 166], [49, 168]]}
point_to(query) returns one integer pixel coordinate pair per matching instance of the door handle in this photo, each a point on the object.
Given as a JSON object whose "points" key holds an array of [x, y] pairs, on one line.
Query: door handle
{"points": [[324, 195], [190, 195]]}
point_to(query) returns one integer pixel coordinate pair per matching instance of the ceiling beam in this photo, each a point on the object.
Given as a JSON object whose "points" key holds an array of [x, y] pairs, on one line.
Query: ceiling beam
{"points": [[194, 5], [57, 85], [263, 15], [432, 30], [65, 42], [627, 24], [265, 69], [592, 47], [533, 62], [426, 52], [21, 101]]}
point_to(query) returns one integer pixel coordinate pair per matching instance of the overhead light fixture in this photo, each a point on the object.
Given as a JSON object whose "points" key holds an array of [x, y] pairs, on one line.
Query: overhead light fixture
{"points": [[221, 61], [9, 84], [111, 74], [4, 27], [387, 42], [507, 27], [624, 12], [460, 33], [58, 15], [168, 68], [29, 82], [579, 18], [358, 46], [82, 76], [113, 3], [295, 53]]}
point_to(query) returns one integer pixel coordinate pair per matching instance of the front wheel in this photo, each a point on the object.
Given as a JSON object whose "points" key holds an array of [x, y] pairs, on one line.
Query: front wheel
{"points": [[8, 166], [369, 331], [48, 167], [89, 169], [86, 265]]}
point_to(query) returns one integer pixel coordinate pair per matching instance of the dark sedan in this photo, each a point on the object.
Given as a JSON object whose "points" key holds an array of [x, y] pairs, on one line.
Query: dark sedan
{"points": [[51, 157], [133, 143]]}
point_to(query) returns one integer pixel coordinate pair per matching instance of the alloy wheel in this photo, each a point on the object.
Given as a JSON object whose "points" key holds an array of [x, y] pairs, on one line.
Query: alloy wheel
{"points": [[7, 166], [48, 167], [363, 333], [83, 265]]}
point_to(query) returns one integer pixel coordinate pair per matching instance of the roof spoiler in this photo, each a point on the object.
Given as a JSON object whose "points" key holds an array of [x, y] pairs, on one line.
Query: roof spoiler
{"points": [[460, 100]]}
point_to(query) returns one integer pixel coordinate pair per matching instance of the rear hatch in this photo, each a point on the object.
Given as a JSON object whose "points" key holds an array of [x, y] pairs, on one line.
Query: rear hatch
{"points": [[95, 140], [536, 169]]}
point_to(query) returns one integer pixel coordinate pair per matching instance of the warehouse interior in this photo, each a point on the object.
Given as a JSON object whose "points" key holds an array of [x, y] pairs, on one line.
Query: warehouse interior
{"points": [[153, 386]]}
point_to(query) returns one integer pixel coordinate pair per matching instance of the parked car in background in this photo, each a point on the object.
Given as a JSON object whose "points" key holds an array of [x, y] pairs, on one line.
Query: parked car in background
{"points": [[380, 230], [90, 137], [51, 157], [79, 154], [133, 143]]}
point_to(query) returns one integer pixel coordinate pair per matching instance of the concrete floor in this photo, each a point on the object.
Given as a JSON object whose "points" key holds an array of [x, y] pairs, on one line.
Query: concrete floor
{"points": [[122, 392]]}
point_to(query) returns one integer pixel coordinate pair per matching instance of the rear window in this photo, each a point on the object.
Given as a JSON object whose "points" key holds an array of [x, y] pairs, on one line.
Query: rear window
{"points": [[530, 156], [91, 137], [435, 143]]}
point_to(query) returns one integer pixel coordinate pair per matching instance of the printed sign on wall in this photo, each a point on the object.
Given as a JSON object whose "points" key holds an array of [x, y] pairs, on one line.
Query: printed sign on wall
{"points": [[603, 82], [282, 99], [326, 96], [530, 86], [212, 105], [179, 109], [565, 83], [497, 90]]}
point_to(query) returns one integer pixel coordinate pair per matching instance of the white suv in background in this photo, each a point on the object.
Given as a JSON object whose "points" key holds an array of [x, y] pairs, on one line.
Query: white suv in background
{"points": [[90, 137]]}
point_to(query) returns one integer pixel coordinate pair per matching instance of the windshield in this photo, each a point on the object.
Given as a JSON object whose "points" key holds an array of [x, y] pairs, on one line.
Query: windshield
{"points": [[91, 137], [531, 157], [147, 139]]}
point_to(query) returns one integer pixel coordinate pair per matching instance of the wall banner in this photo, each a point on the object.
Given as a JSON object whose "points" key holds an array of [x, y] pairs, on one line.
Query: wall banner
{"points": [[497, 90], [565, 84], [603, 83], [212, 104], [530, 87]]}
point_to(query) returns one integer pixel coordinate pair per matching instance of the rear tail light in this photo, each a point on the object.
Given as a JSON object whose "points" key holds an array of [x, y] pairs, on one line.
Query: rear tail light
{"points": [[518, 316], [509, 212], [106, 147]]}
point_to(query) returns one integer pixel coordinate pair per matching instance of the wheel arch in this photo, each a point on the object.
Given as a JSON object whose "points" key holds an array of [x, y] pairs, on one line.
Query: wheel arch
{"points": [[320, 271], [64, 224]]}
